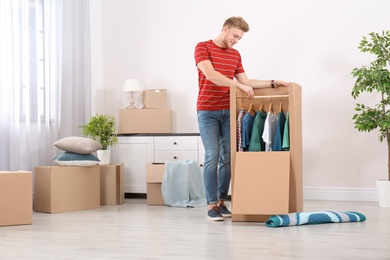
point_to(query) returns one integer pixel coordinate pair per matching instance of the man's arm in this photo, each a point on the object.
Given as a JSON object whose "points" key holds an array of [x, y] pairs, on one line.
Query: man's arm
{"points": [[219, 79], [256, 83]]}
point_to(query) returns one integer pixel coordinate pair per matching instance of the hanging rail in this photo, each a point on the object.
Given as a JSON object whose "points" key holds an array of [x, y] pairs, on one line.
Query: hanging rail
{"points": [[272, 96]]}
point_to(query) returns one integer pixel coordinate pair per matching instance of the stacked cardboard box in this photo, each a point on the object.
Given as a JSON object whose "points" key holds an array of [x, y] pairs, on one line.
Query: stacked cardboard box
{"points": [[154, 176], [16, 203], [155, 117]]}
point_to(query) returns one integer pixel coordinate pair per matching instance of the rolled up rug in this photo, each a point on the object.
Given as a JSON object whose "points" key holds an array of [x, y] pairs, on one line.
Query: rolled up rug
{"points": [[310, 218]]}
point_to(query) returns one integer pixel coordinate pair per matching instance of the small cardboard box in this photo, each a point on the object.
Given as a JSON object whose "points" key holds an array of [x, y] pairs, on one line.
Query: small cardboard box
{"points": [[155, 98], [111, 184], [16, 202], [154, 176], [62, 189], [145, 121]]}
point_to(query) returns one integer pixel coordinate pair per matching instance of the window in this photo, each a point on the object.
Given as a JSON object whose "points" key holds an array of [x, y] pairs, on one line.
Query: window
{"points": [[32, 61]]}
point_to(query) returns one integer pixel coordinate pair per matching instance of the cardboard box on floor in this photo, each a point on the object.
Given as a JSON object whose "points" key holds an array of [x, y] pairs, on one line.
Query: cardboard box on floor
{"points": [[155, 98], [62, 189], [154, 176], [16, 202], [111, 184], [141, 121]]}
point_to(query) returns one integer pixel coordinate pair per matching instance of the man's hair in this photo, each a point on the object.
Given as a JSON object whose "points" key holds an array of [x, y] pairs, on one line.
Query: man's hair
{"points": [[238, 22]]}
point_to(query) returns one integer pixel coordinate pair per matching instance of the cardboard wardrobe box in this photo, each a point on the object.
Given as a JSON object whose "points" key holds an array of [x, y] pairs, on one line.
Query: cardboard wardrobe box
{"points": [[111, 184], [155, 98], [16, 202], [145, 121], [271, 180], [154, 176], [62, 189]]}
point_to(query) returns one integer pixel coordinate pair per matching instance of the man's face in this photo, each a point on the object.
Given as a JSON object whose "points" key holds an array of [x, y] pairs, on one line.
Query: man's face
{"points": [[232, 36]]}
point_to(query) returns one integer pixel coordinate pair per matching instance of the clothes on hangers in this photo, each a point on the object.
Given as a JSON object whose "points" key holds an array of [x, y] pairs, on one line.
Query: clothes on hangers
{"points": [[247, 126], [277, 145], [263, 131], [256, 141], [239, 129]]}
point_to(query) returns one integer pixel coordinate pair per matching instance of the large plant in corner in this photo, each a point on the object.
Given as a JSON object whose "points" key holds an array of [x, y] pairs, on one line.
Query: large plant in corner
{"points": [[102, 129], [375, 78]]}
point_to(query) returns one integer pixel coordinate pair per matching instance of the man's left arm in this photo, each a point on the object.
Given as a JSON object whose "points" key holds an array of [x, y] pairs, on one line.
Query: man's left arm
{"points": [[257, 83]]}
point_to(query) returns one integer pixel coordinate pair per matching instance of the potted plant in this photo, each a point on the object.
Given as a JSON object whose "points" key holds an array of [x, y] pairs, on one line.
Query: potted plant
{"points": [[375, 78], [101, 128]]}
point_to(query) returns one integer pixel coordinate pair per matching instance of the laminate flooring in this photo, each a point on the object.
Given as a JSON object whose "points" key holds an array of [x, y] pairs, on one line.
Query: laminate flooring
{"points": [[137, 231]]}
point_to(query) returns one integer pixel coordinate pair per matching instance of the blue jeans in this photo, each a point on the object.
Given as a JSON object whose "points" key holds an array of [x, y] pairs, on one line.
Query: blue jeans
{"points": [[214, 128]]}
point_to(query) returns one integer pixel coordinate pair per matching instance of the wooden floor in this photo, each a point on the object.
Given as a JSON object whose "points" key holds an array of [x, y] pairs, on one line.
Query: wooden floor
{"points": [[137, 231]]}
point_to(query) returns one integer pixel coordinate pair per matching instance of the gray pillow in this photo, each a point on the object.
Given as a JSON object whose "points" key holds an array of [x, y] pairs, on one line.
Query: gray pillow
{"points": [[75, 159], [75, 144]]}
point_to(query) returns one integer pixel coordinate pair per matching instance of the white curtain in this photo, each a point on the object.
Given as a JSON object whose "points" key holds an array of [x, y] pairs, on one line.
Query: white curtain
{"points": [[76, 67], [44, 78]]}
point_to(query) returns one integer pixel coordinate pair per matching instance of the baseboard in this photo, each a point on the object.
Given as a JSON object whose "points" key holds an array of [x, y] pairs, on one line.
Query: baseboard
{"points": [[341, 194], [135, 195]]}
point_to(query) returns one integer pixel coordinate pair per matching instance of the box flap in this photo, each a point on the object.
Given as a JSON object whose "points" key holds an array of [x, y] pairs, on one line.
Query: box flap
{"points": [[155, 172], [261, 179]]}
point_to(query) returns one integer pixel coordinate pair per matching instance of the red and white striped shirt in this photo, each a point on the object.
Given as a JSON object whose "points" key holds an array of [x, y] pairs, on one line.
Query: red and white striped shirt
{"points": [[224, 60]]}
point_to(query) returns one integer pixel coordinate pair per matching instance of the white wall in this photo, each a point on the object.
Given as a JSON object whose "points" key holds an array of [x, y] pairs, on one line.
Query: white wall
{"points": [[313, 43]]}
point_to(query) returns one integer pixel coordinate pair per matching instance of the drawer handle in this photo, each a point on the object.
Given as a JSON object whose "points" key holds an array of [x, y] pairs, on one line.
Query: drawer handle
{"points": [[175, 157], [174, 143]]}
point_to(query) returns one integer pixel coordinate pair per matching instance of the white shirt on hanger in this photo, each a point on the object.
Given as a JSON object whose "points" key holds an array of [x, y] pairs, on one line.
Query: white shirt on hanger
{"points": [[269, 130]]}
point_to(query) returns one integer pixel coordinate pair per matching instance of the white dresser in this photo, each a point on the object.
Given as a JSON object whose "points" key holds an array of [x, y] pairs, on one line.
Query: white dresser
{"points": [[137, 150]]}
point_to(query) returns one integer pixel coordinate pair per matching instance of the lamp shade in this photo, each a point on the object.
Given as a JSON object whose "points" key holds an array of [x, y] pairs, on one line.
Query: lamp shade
{"points": [[133, 85]]}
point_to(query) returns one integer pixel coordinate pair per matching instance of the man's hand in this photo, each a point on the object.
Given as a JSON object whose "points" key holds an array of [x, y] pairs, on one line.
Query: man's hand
{"points": [[279, 83], [247, 89]]}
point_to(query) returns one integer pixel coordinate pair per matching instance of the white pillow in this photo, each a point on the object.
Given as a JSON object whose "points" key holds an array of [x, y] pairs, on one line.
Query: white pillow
{"points": [[80, 145]]}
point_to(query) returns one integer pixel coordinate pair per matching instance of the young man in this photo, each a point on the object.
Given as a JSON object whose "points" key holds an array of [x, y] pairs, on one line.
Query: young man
{"points": [[219, 69]]}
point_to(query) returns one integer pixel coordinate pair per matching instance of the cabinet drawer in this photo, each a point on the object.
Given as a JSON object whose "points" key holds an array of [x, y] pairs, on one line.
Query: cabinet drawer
{"points": [[176, 143], [163, 156]]}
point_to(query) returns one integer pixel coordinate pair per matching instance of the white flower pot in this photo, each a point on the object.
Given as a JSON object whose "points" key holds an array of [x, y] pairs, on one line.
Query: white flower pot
{"points": [[383, 189], [104, 156]]}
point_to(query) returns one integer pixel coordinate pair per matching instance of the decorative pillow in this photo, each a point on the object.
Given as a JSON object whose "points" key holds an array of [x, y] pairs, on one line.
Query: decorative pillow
{"points": [[75, 144], [76, 159]]}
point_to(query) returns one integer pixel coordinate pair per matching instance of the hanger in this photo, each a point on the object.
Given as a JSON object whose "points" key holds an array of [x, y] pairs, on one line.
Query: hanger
{"points": [[251, 108], [261, 107], [271, 107], [280, 106]]}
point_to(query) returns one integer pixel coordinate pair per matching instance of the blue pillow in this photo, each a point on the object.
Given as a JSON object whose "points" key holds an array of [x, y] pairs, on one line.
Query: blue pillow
{"points": [[76, 159]]}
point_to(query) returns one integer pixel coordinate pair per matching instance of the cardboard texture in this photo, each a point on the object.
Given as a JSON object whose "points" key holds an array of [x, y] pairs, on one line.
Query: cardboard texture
{"points": [[288, 99], [16, 202], [268, 183], [111, 184], [145, 121], [155, 98], [154, 176], [62, 189]]}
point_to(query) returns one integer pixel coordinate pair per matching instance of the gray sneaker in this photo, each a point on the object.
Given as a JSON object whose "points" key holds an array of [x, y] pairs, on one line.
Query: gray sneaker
{"points": [[214, 214], [223, 209]]}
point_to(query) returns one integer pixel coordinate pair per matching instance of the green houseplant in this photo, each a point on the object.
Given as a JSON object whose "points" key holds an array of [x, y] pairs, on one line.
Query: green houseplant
{"points": [[101, 128], [374, 78]]}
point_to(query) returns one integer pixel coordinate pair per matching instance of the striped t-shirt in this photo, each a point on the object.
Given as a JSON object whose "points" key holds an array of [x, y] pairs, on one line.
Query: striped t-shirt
{"points": [[224, 60]]}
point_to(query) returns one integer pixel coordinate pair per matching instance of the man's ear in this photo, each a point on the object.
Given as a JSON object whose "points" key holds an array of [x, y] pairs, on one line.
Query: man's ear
{"points": [[225, 28]]}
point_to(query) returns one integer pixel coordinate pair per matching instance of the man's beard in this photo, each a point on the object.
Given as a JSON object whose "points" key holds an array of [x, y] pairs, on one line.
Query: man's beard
{"points": [[227, 44]]}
